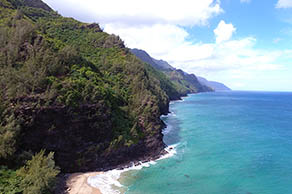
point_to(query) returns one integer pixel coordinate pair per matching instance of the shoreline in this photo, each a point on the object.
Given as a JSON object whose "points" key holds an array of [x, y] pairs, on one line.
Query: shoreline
{"points": [[77, 183], [106, 181], [101, 182]]}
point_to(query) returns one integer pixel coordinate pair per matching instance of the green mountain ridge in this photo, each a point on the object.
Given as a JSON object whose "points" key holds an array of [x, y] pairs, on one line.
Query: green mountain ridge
{"points": [[217, 86], [71, 89], [157, 64], [183, 82]]}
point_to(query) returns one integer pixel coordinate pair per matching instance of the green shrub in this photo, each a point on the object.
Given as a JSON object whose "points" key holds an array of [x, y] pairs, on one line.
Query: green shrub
{"points": [[9, 181], [9, 131], [38, 175]]}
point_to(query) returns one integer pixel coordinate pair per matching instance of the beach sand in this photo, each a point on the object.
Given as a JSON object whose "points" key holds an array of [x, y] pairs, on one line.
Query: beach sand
{"points": [[77, 184]]}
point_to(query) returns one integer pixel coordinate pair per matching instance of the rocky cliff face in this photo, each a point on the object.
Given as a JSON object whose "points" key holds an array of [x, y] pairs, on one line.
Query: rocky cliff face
{"points": [[81, 137], [76, 91]]}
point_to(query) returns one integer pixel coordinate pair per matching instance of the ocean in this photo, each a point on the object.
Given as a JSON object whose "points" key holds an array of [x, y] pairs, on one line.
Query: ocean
{"points": [[224, 143]]}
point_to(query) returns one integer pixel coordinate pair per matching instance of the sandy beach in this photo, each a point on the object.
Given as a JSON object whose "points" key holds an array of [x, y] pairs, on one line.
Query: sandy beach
{"points": [[77, 184]]}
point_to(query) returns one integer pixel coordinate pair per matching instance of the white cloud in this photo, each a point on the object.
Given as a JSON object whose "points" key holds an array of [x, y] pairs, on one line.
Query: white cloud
{"points": [[133, 12], [224, 31], [229, 60], [284, 4], [277, 40], [232, 55], [158, 39], [169, 42], [245, 1], [159, 28]]}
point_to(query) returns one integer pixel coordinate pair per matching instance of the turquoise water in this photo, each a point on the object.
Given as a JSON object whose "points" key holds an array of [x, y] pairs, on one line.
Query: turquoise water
{"points": [[227, 143]]}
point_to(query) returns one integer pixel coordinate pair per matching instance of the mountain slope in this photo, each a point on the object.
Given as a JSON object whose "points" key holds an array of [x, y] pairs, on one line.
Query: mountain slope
{"points": [[157, 64], [184, 83], [69, 88], [212, 84]]}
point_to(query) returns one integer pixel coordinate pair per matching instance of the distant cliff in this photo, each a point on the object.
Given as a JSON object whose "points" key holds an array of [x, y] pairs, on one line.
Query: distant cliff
{"points": [[157, 64], [214, 85], [184, 83]]}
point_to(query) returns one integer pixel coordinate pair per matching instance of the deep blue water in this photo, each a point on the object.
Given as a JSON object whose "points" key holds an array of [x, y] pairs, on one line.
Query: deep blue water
{"points": [[227, 143]]}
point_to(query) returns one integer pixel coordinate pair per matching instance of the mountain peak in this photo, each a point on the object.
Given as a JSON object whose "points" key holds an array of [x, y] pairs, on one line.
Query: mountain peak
{"points": [[37, 4], [158, 64], [25, 3]]}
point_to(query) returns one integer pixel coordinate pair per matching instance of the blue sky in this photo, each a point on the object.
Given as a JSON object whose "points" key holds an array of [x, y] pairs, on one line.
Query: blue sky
{"points": [[258, 19], [246, 44]]}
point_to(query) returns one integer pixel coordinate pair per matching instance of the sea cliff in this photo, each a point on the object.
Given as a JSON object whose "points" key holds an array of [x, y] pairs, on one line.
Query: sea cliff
{"points": [[73, 97]]}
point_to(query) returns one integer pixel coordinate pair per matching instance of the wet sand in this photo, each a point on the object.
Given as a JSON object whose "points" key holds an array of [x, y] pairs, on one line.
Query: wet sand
{"points": [[77, 184]]}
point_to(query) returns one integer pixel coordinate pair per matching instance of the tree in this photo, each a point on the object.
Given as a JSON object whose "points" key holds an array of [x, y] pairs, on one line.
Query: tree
{"points": [[8, 135], [38, 175]]}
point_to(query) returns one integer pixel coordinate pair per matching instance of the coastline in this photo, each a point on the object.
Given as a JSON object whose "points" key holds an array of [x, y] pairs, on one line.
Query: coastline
{"points": [[101, 182], [77, 183]]}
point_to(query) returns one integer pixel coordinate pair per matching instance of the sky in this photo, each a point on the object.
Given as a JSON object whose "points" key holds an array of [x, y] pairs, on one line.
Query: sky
{"points": [[245, 44]]}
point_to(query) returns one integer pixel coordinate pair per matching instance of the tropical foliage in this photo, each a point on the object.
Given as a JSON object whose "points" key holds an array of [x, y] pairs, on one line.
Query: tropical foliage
{"points": [[49, 61]]}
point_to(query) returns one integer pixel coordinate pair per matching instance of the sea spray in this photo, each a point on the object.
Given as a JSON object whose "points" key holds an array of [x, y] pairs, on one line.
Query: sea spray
{"points": [[181, 100], [229, 142], [107, 182]]}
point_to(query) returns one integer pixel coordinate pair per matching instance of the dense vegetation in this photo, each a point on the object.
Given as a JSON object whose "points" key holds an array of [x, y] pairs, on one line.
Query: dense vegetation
{"points": [[36, 176], [186, 83], [69, 88], [182, 82]]}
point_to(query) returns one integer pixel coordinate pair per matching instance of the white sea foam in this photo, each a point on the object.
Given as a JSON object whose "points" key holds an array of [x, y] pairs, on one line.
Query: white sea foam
{"points": [[172, 114], [168, 115], [163, 116], [168, 128], [174, 101], [107, 182], [181, 100], [171, 151]]}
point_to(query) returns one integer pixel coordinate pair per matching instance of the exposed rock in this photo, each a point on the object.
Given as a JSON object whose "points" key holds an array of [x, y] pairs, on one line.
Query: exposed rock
{"points": [[94, 26], [80, 137], [37, 4]]}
